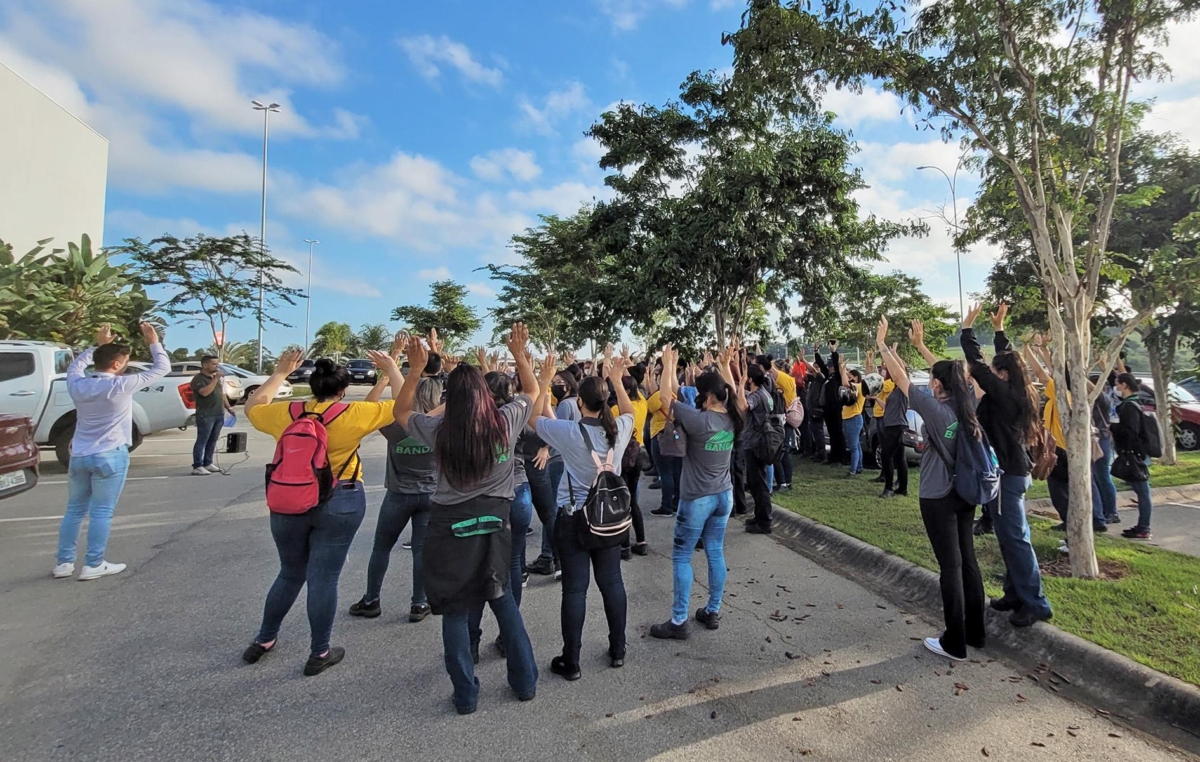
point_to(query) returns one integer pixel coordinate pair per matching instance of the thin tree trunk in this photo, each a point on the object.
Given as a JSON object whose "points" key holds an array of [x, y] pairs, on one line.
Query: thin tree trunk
{"points": [[1159, 371], [1078, 431]]}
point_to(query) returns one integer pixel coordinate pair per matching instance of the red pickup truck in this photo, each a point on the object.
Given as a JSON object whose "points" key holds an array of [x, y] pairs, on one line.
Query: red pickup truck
{"points": [[18, 455]]}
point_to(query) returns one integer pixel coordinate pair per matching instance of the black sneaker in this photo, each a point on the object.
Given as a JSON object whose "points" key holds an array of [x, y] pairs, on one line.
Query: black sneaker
{"points": [[524, 580], [640, 549], [543, 565], [1006, 604], [1025, 617], [626, 553], [318, 664], [668, 630], [616, 659], [982, 527], [662, 512], [879, 480], [757, 528], [568, 672], [1099, 526], [254, 652], [528, 531], [886, 494], [656, 484], [417, 613], [365, 608], [900, 493], [1113, 519], [708, 619]]}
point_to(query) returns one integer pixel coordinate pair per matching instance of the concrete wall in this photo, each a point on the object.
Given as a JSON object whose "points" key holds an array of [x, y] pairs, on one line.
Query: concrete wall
{"points": [[53, 170]]}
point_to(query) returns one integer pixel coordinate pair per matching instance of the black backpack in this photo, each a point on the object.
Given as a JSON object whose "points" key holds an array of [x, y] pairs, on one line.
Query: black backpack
{"points": [[1150, 435], [770, 444], [605, 517]]}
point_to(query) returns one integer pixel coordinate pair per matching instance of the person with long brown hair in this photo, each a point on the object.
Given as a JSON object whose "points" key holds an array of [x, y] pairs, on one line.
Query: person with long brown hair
{"points": [[468, 545], [1008, 413], [948, 409]]}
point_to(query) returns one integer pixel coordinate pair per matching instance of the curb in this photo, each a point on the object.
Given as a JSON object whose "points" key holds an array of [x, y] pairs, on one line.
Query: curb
{"points": [[1186, 493], [1117, 686]]}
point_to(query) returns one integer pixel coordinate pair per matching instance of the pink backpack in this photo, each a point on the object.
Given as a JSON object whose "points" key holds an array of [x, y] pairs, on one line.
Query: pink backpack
{"points": [[795, 413], [300, 477]]}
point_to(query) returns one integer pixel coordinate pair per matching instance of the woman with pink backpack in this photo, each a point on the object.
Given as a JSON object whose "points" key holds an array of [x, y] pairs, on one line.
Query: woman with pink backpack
{"points": [[315, 494]]}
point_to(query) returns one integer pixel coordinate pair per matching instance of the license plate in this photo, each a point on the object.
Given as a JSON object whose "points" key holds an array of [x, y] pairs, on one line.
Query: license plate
{"points": [[15, 479], [360, 375]]}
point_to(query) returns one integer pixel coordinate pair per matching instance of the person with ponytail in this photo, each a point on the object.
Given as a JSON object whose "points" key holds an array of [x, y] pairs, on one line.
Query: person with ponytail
{"points": [[948, 409], [565, 394], [468, 545], [1008, 414], [758, 408], [596, 432], [706, 490], [633, 476], [313, 545], [1128, 440]]}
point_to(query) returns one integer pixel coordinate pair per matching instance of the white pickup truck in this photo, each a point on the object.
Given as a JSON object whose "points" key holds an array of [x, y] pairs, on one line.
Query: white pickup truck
{"points": [[33, 382]]}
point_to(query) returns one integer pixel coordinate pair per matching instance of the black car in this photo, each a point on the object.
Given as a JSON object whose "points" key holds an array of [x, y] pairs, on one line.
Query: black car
{"points": [[300, 375], [361, 371]]}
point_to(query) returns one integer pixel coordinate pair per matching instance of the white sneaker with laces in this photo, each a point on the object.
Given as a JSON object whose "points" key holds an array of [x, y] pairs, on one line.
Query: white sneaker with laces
{"points": [[62, 571], [933, 644], [103, 570], [200, 471], [213, 469]]}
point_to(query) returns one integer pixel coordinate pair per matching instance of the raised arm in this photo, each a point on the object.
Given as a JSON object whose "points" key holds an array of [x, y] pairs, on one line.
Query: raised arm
{"points": [[1035, 364], [619, 366], [969, 341], [1000, 342], [916, 334], [79, 365], [891, 361], [387, 364], [821, 366], [670, 378], [160, 363], [287, 363]]}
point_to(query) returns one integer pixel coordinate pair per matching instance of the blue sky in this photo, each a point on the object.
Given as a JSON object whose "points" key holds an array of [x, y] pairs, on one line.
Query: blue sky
{"points": [[416, 138]]}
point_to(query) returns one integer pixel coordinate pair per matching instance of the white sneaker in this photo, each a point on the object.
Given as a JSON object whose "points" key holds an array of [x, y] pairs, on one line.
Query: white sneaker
{"points": [[200, 471], [62, 571], [103, 570], [213, 469], [1063, 547], [935, 645]]}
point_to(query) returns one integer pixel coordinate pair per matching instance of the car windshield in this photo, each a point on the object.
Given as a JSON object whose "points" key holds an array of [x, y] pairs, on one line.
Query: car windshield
{"points": [[1181, 395], [361, 364], [233, 370]]}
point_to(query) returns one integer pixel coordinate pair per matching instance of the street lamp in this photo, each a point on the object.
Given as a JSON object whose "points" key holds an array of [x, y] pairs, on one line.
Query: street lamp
{"points": [[953, 182], [308, 293], [262, 235]]}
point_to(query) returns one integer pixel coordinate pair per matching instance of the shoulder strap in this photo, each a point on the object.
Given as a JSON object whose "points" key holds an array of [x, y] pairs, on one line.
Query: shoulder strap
{"points": [[337, 409], [296, 410]]}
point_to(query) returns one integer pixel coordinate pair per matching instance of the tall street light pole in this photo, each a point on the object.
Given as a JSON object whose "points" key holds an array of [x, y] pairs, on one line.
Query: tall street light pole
{"points": [[953, 182], [308, 293], [262, 235]]}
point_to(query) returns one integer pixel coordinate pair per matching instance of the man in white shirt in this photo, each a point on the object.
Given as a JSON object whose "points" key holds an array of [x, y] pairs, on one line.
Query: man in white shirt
{"points": [[100, 449]]}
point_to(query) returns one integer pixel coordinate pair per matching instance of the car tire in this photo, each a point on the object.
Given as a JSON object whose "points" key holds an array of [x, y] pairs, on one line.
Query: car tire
{"points": [[249, 391], [62, 445], [877, 451], [1189, 437]]}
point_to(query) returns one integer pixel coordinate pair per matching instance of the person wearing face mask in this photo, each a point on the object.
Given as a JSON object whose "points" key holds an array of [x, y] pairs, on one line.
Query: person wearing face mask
{"points": [[1128, 438], [565, 391], [852, 418]]}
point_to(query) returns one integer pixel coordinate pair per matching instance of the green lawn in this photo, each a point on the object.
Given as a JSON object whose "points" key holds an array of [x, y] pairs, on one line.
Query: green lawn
{"points": [[1187, 471], [301, 390], [1152, 615]]}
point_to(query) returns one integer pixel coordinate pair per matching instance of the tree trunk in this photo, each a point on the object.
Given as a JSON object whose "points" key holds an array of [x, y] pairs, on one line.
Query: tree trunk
{"points": [[1079, 455], [1162, 403], [719, 326]]}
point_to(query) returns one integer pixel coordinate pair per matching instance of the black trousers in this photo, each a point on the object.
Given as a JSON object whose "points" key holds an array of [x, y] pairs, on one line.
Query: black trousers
{"points": [[837, 437], [948, 522], [816, 431], [737, 470], [632, 477], [756, 480], [541, 491], [605, 564], [783, 469], [895, 461]]}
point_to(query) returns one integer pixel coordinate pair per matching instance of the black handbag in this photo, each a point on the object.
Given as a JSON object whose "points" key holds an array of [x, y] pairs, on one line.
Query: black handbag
{"points": [[1130, 468]]}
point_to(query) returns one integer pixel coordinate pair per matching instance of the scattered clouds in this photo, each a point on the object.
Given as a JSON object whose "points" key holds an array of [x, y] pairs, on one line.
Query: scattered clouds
{"points": [[898, 162], [562, 199], [431, 54], [497, 165], [1178, 116], [434, 273], [871, 105], [625, 15], [481, 289], [558, 105]]}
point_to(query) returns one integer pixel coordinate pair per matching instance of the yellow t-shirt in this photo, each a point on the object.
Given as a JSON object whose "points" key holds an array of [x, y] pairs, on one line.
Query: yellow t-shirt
{"points": [[1050, 417], [787, 385], [859, 403], [881, 399], [640, 410], [345, 432], [658, 419]]}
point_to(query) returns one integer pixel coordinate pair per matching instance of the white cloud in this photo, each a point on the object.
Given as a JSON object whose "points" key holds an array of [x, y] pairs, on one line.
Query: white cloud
{"points": [[625, 15], [558, 105], [871, 105], [429, 54], [482, 289], [563, 199], [435, 273], [898, 162], [1178, 116], [495, 165]]}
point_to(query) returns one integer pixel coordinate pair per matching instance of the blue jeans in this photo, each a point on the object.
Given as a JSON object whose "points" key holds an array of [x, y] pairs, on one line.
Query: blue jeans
{"points": [[1022, 577], [545, 504], [1145, 502], [852, 427], [669, 472], [704, 518], [555, 467], [1102, 475], [397, 509], [208, 433], [520, 516], [94, 484], [456, 643], [312, 549], [605, 565]]}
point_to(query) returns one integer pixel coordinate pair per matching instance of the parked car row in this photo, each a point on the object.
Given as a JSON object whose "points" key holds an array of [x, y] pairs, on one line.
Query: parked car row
{"points": [[239, 383]]}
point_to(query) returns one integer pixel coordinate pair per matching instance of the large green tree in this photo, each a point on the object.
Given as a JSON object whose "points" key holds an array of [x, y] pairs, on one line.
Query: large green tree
{"points": [[64, 296], [1040, 92], [334, 339], [899, 296], [372, 336], [212, 280], [448, 312]]}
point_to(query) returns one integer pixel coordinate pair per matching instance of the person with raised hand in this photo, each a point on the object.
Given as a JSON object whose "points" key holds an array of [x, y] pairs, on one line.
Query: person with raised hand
{"points": [[948, 410], [313, 544], [706, 489], [468, 545], [100, 446]]}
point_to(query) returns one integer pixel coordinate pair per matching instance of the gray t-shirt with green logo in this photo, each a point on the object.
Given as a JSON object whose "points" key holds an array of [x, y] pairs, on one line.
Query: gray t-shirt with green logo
{"points": [[499, 481], [411, 469], [567, 438], [941, 423], [710, 440]]}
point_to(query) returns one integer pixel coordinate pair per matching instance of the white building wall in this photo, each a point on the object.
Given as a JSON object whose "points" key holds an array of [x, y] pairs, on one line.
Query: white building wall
{"points": [[53, 170]]}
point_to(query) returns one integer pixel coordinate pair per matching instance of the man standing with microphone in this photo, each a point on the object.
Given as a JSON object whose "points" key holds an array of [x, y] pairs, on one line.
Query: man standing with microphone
{"points": [[208, 388]]}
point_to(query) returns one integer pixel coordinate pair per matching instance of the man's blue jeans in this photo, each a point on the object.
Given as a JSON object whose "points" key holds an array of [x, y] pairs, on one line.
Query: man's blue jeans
{"points": [[456, 643], [1022, 577], [704, 518], [94, 484], [556, 469], [853, 429], [208, 433], [397, 509], [669, 472], [1102, 479], [312, 550], [520, 516], [1145, 501]]}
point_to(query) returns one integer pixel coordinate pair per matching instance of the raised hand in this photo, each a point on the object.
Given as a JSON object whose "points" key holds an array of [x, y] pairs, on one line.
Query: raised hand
{"points": [[916, 334], [998, 317], [104, 335], [288, 362], [881, 332], [568, 359], [148, 333], [549, 368], [434, 344], [449, 363], [398, 344], [382, 360], [482, 358], [518, 337], [972, 315], [418, 356]]}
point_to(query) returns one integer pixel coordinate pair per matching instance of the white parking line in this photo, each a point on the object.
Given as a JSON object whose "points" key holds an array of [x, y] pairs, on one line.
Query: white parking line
{"points": [[128, 479]]}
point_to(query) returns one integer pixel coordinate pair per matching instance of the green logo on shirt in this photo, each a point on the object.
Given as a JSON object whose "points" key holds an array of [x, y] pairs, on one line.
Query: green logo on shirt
{"points": [[501, 454], [952, 430], [410, 446], [722, 441]]}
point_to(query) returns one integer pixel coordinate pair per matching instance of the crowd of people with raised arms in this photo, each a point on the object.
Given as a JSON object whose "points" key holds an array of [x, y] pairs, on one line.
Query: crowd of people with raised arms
{"points": [[474, 450]]}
